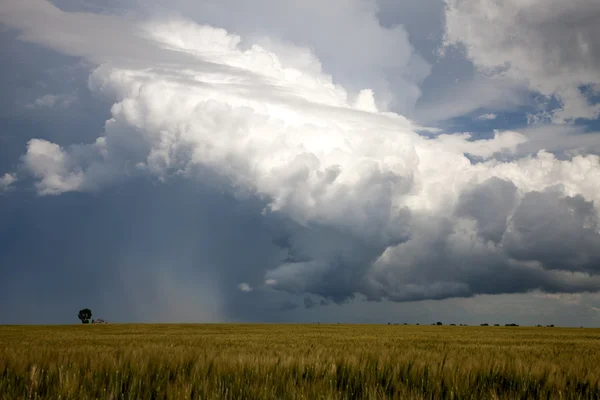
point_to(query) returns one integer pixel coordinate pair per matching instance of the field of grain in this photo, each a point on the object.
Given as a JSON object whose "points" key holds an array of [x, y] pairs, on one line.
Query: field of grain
{"points": [[297, 362]]}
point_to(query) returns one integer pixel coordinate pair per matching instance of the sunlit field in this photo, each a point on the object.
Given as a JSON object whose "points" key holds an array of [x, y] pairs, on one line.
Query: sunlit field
{"points": [[297, 361]]}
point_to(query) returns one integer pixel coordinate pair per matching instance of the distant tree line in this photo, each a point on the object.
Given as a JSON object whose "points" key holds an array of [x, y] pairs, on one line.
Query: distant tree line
{"points": [[439, 323]]}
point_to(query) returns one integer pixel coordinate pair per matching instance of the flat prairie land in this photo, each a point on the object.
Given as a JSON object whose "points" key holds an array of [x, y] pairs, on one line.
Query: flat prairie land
{"points": [[297, 362]]}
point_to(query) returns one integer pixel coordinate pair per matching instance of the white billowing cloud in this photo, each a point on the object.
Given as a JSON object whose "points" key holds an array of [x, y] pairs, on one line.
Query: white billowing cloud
{"points": [[52, 100], [552, 47], [6, 181], [346, 36], [290, 135], [507, 141], [487, 117], [244, 287], [53, 168], [376, 208]]}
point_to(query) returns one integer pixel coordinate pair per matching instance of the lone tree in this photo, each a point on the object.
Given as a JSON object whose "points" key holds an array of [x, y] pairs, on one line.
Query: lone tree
{"points": [[85, 315]]}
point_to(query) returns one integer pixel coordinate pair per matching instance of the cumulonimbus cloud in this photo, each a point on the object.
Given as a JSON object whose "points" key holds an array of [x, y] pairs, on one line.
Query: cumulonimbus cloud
{"points": [[377, 209]]}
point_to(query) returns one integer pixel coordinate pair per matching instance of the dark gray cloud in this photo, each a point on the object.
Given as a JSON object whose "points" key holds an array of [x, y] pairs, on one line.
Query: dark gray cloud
{"points": [[490, 204], [175, 252], [141, 251], [329, 262], [539, 242], [175, 246], [289, 305], [309, 303], [561, 232]]}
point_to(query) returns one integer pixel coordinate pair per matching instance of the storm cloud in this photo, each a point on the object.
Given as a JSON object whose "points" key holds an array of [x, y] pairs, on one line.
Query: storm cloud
{"points": [[283, 182]]}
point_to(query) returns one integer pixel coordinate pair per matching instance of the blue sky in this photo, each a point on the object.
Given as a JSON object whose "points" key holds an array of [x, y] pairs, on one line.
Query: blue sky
{"points": [[353, 161]]}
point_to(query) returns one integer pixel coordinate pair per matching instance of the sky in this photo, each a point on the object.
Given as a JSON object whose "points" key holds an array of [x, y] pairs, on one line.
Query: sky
{"points": [[352, 161]]}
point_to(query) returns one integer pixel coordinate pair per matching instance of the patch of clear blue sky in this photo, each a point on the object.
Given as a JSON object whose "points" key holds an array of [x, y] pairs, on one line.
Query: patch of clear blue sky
{"points": [[590, 126], [515, 119], [484, 128], [593, 96]]}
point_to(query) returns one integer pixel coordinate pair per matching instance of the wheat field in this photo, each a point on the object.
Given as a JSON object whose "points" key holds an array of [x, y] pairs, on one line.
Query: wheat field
{"points": [[297, 362]]}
